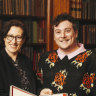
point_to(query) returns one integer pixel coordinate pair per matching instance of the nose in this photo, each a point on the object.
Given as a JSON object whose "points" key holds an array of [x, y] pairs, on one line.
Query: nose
{"points": [[63, 34], [14, 39]]}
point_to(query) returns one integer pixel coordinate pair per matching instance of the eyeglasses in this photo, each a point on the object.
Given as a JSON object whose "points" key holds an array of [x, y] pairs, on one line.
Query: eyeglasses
{"points": [[17, 38]]}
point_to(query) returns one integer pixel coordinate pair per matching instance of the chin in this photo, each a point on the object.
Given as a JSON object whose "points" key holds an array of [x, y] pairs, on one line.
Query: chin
{"points": [[65, 48], [13, 50]]}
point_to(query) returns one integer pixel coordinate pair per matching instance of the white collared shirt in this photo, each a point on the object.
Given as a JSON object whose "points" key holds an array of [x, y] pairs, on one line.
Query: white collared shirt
{"points": [[71, 55]]}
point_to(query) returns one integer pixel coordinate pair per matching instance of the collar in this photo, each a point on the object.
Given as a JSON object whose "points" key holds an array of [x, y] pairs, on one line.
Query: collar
{"points": [[73, 54]]}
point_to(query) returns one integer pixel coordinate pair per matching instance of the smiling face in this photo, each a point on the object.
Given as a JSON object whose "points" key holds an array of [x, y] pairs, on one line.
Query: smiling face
{"points": [[64, 35], [13, 46]]}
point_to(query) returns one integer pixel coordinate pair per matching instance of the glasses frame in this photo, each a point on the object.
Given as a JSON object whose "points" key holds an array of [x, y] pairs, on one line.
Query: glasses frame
{"points": [[17, 38]]}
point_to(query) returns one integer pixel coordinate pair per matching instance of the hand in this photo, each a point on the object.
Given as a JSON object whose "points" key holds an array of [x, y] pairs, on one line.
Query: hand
{"points": [[46, 91]]}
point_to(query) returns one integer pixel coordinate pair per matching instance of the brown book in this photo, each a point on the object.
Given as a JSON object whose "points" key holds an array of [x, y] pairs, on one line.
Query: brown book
{"points": [[73, 8]]}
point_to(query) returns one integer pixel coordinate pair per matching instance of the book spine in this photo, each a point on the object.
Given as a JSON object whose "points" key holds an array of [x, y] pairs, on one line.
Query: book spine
{"points": [[73, 8], [78, 8], [34, 32], [1, 6]]}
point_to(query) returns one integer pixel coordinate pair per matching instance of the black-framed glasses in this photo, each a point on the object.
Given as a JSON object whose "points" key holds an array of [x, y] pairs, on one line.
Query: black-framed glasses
{"points": [[17, 38]]}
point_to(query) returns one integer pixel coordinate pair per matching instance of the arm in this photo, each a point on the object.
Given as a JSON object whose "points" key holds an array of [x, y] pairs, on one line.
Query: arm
{"points": [[89, 78], [3, 92]]}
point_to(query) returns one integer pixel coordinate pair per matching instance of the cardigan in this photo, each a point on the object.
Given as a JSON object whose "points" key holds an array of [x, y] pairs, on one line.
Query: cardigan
{"points": [[76, 77], [11, 75]]}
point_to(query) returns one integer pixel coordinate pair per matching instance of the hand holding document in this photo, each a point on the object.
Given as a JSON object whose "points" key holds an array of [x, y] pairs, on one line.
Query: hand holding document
{"points": [[59, 94], [15, 91], [49, 92]]}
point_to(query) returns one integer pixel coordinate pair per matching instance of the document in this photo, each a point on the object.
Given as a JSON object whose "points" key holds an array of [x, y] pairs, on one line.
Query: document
{"points": [[15, 91]]}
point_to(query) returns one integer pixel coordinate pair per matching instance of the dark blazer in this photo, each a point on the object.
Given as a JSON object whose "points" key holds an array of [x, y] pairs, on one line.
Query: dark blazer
{"points": [[9, 74]]}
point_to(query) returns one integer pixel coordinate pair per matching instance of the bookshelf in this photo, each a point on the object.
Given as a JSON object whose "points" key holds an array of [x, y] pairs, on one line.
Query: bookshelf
{"points": [[34, 14], [85, 13], [87, 32], [41, 13]]}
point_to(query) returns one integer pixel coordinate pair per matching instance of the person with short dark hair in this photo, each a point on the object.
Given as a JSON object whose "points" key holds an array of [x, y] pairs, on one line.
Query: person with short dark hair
{"points": [[15, 68], [71, 69]]}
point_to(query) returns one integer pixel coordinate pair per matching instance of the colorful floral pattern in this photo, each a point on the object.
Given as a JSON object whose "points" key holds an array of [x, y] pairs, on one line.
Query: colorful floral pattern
{"points": [[88, 81], [81, 58], [52, 59], [59, 79]]}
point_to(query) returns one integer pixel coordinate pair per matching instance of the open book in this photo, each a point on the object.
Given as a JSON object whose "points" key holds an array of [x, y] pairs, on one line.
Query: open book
{"points": [[15, 91]]}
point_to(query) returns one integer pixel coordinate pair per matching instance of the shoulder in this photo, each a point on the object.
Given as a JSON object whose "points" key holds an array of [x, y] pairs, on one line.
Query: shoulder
{"points": [[2, 54], [26, 61], [91, 53], [25, 58], [87, 55], [46, 54], [91, 58]]}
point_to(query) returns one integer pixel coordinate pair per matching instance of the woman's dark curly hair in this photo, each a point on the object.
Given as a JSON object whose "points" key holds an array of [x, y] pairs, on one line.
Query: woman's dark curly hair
{"points": [[63, 17], [8, 25]]}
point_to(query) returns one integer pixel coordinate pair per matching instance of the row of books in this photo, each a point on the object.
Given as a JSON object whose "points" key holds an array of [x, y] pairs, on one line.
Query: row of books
{"points": [[87, 34], [36, 31], [23, 7], [89, 9], [76, 8], [34, 54], [83, 9]]}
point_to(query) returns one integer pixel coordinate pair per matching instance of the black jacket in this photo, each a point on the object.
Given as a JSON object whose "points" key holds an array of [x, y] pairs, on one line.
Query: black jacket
{"points": [[9, 75]]}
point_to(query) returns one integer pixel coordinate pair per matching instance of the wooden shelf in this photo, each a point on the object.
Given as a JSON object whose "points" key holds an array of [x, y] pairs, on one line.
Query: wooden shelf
{"points": [[90, 46], [86, 21], [37, 45], [22, 17]]}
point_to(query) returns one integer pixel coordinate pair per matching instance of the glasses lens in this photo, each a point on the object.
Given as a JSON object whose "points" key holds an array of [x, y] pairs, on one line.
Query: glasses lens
{"points": [[10, 37], [17, 38]]}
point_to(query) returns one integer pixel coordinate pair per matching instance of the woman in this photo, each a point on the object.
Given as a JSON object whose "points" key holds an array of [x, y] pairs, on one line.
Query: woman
{"points": [[15, 68]]}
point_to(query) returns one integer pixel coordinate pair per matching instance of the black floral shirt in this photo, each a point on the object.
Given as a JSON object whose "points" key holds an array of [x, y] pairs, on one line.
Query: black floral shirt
{"points": [[76, 77]]}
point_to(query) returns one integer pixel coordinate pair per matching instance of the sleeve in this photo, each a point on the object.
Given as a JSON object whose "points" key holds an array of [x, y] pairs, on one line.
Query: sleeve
{"points": [[34, 74], [92, 73], [40, 74], [89, 78], [3, 92]]}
